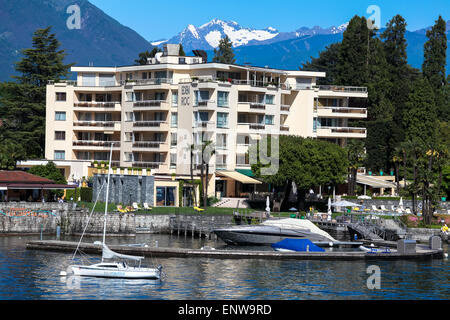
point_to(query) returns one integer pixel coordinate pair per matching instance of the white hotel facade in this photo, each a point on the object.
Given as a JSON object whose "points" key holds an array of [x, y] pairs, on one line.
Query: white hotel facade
{"points": [[153, 112]]}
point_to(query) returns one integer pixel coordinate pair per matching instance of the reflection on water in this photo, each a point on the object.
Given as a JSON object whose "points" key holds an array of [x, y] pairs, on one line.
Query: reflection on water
{"points": [[29, 274]]}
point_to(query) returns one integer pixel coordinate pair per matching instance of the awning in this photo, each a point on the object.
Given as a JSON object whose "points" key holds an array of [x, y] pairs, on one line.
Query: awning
{"points": [[374, 182], [246, 172], [16, 186], [238, 177]]}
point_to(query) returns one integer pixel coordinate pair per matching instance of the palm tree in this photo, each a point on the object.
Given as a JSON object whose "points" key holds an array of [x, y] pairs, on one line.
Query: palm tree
{"points": [[207, 151], [356, 157]]}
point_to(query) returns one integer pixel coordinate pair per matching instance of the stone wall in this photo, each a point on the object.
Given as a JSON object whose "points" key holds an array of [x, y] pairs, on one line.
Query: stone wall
{"points": [[444, 206]]}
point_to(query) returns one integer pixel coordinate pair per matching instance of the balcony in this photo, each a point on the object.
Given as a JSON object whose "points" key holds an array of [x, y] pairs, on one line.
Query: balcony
{"points": [[341, 88], [251, 107], [94, 104], [284, 128], [343, 112], [147, 82], [150, 165], [341, 132], [247, 127], [152, 125], [284, 108], [151, 145], [210, 125], [205, 105], [148, 104], [97, 125], [93, 143]]}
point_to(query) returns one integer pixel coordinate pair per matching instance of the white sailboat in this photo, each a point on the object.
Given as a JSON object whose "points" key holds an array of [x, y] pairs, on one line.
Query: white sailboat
{"points": [[114, 269]]}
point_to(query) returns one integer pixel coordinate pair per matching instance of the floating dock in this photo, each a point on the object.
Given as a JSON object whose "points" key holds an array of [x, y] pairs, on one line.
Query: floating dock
{"points": [[65, 246]]}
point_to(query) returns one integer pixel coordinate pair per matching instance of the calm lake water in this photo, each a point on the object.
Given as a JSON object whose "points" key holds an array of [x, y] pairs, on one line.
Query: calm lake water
{"points": [[34, 275]]}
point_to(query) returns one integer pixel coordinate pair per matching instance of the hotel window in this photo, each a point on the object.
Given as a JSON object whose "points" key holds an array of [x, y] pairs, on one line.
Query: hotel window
{"points": [[221, 141], [173, 139], [83, 155], [222, 120], [269, 119], [222, 98], [173, 160], [165, 196], [129, 157], [242, 139], [60, 135], [160, 96], [61, 96], [88, 80], [60, 116], [269, 99], [101, 156], [174, 120], [175, 99], [85, 97], [59, 155], [107, 80]]}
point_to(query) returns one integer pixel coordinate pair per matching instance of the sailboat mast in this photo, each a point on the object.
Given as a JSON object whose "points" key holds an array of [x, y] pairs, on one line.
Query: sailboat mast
{"points": [[107, 195]]}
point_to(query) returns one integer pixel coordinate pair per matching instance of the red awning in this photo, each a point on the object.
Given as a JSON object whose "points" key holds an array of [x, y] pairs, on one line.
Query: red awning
{"points": [[50, 186]]}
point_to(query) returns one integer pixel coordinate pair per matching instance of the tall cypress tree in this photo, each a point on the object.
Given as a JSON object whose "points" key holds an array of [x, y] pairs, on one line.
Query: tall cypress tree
{"points": [[434, 63], [420, 117], [224, 53], [23, 102]]}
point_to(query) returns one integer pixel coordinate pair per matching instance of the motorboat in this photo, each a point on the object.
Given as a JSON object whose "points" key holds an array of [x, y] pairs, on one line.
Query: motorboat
{"points": [[274, 230]]}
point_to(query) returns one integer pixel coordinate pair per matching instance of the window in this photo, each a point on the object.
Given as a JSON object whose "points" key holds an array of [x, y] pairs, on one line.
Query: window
{"points": [[129, 157], [174, 120], [165, 196], [269, 119], [173, 139], [88, 80], [107, 80], [160, 96], [242, 139], [222, 120], [175, 99], [61, 96], [83, 155], [60, 116], [222, 98], [60, 135], [129, 136], [221, 141], [59, 155], [86, 97], [101, 156], [173, 160], [269, 99]]}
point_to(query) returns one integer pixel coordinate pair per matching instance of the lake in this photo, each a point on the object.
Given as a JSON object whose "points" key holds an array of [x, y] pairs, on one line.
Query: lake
{"points": [[34, 275]]}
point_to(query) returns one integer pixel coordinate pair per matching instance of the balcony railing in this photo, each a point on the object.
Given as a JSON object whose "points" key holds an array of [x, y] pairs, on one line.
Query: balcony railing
{"points": [[95, 123], [285, 107], [95, 104], [204, 124], [341, 88], [148, 144], [149, 103], [150, 165], [348, 110], [93, 143], [205, 103], [151, 123], [145, 82], [284, 127], [351, 130]]}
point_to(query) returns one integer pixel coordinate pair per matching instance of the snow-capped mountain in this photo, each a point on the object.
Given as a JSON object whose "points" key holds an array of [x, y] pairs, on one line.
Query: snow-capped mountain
{"points": [[208, 35]]}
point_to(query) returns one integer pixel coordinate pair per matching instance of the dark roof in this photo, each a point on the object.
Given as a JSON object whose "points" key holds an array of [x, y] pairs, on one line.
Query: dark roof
{"points": [[22, 177]]}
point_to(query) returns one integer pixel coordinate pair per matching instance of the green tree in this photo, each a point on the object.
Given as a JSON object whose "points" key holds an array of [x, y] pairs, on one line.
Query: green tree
{"points": [[306, 162], [224, 53], [181, 52], [10, 153], [327, 61], [420, 117], [356, 157], [23, 102], [434, 63], [49, 171], [144, 56]]}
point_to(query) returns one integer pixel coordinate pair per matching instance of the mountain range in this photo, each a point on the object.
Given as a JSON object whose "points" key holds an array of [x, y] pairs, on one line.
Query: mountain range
{"points": [[103, 41]]}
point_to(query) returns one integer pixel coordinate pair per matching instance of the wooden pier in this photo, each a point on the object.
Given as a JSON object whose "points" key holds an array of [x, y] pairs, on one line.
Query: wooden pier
{"points": [[64, 246]]}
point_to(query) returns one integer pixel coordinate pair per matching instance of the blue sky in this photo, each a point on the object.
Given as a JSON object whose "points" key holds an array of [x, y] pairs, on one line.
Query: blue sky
{"points": [[159, 19]]}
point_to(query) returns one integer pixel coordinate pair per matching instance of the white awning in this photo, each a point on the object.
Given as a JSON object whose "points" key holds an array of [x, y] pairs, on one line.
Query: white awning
{"points": [[374, 182], [242, 178]]}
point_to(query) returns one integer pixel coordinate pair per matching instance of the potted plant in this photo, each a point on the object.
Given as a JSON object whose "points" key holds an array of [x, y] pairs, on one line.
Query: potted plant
{"points": [[173, 176], [95, 164]]}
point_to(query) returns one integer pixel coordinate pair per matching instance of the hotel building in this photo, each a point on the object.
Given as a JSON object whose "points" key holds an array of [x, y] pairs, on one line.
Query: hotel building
{"points": [[153, 113]]}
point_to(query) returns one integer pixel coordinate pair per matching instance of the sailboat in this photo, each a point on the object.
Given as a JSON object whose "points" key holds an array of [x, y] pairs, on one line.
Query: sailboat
{"points": [[114, 269]]}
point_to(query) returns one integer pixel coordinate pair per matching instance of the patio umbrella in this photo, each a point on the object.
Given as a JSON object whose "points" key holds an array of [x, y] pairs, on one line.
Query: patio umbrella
{"points": [[364, 197], [329, 205], [400, 204], [344, 203], [293, 209], [268, 204]]}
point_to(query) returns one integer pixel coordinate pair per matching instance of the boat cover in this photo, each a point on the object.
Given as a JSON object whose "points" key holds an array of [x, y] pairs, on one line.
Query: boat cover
{"points": [[304, 245], [109, 254], [291, 223]]}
